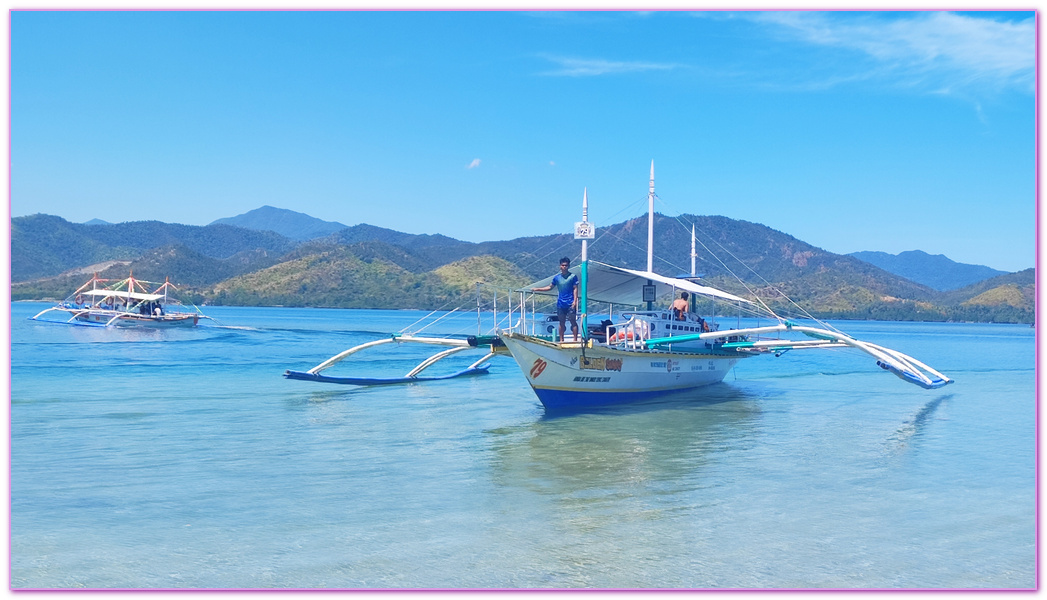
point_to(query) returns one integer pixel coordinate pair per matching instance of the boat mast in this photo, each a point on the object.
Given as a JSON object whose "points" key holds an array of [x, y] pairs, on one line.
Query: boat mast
{"points": [[584, 291], [650, 223], [693, 301], [693, 253], [650, 231]]}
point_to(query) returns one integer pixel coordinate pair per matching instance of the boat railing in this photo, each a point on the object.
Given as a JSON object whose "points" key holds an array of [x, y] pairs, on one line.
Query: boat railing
{"points": [[521, 315], [631, 334], [641, 326], [690, 318]]}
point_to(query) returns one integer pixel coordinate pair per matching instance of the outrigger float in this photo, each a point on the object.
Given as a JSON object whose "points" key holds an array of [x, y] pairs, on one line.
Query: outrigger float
{"points": [[126, 303], [637, 354]]}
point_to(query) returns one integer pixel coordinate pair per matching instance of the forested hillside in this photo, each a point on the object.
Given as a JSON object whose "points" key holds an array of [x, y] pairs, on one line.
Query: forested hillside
{"points": [[44, 245], [372, 267]]}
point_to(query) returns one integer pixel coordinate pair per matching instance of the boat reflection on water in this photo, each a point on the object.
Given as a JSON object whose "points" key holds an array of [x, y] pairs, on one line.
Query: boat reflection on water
{"points": [[901, 439], [668, 439]]}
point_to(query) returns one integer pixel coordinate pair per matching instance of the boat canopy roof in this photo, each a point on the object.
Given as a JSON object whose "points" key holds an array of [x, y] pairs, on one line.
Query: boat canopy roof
{"points": [[122, 294], [618, 285]]}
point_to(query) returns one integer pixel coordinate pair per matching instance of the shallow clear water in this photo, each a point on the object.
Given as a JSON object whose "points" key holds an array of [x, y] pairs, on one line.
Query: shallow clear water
{"points": [[183, 459]]}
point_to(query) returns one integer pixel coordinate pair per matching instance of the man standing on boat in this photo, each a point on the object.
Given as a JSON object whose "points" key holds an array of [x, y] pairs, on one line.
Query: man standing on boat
{"points": [[567, 301]]}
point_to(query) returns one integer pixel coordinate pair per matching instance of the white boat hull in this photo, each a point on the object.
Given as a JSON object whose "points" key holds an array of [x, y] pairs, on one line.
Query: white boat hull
{"points": [[104, 317], [574, 375]]}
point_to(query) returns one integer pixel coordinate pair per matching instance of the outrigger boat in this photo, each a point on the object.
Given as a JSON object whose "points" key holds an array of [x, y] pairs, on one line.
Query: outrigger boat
{"points": [[651, 353], [126, 303], [636, 354]]}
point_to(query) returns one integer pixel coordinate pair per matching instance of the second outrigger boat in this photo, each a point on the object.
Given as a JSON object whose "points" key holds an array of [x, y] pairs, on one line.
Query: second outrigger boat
{"points": [[126, 303]]}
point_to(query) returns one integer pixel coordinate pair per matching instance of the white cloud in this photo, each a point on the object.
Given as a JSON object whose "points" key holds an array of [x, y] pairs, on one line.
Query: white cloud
{"points": [[589, 67], [939, 50], [474, 164]]}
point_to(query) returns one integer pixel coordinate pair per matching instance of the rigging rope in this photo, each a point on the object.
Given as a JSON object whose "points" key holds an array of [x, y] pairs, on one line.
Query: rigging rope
{"points": [[675, 266], [449, 313], [802, 310], [426, 317]]}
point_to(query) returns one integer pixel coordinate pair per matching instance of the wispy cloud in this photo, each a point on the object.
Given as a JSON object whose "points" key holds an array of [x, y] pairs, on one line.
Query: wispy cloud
{"points": [[591, 67], [939, 51], [474, 164]]}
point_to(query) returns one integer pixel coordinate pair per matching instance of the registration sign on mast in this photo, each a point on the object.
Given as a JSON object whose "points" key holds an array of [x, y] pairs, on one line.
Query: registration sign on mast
{"points": [[584, 230]]}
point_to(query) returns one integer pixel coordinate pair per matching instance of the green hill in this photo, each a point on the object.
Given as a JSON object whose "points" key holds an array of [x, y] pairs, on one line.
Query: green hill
{"points": [[340, 277], [184, 266], [335, 277], [464, 274], [45, 245]]}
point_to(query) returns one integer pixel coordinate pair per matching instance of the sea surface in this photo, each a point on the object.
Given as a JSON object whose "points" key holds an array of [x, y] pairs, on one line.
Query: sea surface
{"points": [[174, 459]]}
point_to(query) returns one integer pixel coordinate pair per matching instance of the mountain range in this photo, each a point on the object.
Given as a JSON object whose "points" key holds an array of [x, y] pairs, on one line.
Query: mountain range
{"points": [[273, 256], [935, 271]]}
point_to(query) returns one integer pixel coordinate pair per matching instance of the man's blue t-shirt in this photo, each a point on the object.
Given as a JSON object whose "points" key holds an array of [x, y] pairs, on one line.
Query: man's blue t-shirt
{"points": [[566, 286]]}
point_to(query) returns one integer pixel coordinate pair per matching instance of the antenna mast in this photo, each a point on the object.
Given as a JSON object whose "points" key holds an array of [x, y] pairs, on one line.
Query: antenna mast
{"points": [[650, 223], [693, 253]]}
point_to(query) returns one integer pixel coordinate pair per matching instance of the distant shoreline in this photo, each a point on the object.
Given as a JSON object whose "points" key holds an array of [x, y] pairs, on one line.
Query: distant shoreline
{"points": [[717, 317]]}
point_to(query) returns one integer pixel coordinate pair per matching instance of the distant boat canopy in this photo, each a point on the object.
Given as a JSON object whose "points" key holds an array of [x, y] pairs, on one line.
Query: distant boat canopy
{"points": [[122, 295]]}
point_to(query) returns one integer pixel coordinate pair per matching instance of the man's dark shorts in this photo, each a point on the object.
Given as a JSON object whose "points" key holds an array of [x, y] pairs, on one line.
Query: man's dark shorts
{"points": [[568, 313]]}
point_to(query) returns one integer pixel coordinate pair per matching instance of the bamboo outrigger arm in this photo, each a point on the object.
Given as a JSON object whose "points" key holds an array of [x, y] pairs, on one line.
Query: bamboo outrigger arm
{"points": [[905, 367], [457, 345], [463, 344]]}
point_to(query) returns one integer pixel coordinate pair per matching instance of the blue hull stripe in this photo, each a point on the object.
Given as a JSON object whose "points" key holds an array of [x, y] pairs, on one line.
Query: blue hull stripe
{"points": [[554, 398]]}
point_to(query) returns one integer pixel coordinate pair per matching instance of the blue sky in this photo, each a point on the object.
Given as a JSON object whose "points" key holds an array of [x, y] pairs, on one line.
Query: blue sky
{"points": [[849, 130]]}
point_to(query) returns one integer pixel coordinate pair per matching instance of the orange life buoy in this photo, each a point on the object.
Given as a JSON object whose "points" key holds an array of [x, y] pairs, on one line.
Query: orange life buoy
{"points": [[622, 336]]}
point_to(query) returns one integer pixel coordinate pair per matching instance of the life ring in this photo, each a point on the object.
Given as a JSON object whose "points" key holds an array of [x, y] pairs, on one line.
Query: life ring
{"points": [[621, 336]]}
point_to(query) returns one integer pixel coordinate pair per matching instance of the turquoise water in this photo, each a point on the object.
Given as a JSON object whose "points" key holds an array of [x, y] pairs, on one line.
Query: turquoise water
{"points": [[183, 459]]}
